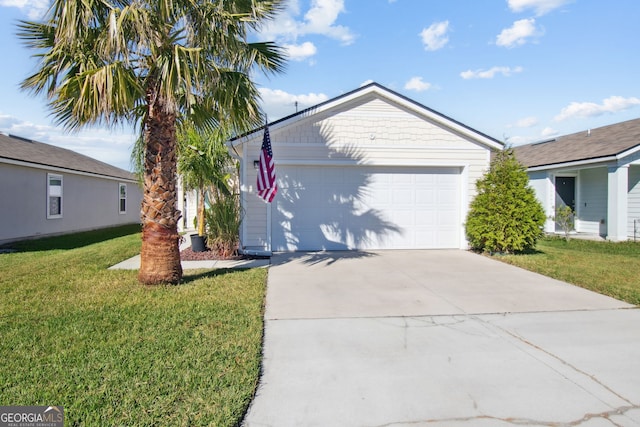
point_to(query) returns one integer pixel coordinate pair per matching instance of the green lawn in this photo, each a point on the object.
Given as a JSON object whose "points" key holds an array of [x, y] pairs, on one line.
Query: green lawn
{"points": [[608, 268], [114, 352]]}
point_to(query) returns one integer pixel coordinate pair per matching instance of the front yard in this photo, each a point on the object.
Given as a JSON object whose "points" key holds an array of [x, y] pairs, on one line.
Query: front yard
{"points": [[608, 268], [114, 352]]}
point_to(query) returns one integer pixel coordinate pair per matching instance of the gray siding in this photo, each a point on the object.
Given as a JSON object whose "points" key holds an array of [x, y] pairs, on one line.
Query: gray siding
{"points": [[89, 202], [540, 182], [592, 201], [634, 199]]}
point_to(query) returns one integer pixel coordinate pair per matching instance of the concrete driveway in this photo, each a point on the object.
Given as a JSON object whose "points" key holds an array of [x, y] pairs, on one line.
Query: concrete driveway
{"points": [[440, 338]]}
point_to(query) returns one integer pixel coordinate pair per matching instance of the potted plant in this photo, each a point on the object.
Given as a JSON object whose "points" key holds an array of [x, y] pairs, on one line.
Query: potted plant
{"points": [[203, 162]]}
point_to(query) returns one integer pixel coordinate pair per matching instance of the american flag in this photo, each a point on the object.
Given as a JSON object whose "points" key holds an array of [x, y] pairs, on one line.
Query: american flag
{"points": [[267, 186]]}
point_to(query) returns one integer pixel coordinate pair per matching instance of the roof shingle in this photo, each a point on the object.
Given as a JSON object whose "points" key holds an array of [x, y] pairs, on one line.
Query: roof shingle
{"points": [[606, 141], [21, 149]]}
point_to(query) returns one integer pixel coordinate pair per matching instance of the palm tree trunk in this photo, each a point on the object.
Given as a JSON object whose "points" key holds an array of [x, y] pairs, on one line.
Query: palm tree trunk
{"points": [[201, 226], [160, 253]]}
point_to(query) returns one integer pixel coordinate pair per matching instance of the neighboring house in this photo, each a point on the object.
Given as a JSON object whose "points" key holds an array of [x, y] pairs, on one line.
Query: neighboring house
{"points": [[48, 190], [596, 172], [370, 169]]}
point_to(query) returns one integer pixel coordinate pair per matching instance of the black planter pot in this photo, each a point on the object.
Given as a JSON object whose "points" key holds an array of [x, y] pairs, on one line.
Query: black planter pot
{"points": [[198, 243]]}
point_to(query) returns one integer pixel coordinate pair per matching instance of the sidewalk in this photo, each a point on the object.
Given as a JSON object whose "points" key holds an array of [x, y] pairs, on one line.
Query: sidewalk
{"points": [[134, 263]]}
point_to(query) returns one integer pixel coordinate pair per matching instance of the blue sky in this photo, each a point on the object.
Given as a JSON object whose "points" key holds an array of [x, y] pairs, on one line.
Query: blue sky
{"points": [[517, 70]]}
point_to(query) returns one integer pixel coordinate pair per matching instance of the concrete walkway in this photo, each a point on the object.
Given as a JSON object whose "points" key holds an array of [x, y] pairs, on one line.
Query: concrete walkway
{"points": [[134, 264], [440, 338]]}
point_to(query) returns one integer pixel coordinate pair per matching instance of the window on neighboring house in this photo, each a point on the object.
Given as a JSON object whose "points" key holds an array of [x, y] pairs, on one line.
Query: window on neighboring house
{"points": [[54, 196], [122, 191]]}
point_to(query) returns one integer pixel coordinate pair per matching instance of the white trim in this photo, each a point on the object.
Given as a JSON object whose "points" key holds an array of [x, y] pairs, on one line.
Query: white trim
{"points": [[571, 164], [596, 162], [120, 198], [374, 147], [51, 176], [464, 205], [628, 152], [371, 162], [617, 202], [269, 226], [64, 170], [421, 110]]}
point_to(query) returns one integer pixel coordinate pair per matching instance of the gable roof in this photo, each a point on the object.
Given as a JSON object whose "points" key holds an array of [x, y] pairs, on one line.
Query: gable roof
{"points": [[381, 91], [590, 146], [18, 150]]}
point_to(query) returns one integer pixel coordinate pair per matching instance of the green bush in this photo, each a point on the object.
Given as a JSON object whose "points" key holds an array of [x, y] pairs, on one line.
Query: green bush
{"points": [[565, 218], [505, 215], [223, 220]]}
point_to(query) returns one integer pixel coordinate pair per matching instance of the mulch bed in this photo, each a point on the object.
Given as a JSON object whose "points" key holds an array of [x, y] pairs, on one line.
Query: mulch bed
{"points": [[189, 255]]}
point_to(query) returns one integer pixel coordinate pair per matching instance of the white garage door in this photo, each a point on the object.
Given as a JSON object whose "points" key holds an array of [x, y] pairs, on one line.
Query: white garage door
{"points": [[362, 207]]}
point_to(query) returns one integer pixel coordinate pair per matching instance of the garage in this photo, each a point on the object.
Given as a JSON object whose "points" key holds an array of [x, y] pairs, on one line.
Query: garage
{"points": [[370, 169], [366, 207]]}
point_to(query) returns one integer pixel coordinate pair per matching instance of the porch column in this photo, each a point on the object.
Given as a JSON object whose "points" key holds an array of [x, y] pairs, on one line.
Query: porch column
{"points": [[617, 204]]}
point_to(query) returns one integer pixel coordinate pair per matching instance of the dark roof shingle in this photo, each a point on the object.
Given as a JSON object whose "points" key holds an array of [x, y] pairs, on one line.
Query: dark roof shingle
{"points": [[23, 150], [606, 141]]}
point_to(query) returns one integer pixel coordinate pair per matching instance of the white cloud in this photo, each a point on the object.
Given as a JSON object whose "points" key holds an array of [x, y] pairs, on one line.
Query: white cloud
{"points": [[366, 82], [300, 52], [35, 9], [7, 122], [435, 37], [113, 147], [518, 140], [320, 19], [548, 132], [539, 6], [278, 103], [490, 73], [518, 34], [613, 104], [416, 83], [526, 122]]}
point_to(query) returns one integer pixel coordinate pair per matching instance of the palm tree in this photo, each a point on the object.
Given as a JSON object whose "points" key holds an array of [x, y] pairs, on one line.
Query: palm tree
{"points": [[154, 63], [203, 162]]}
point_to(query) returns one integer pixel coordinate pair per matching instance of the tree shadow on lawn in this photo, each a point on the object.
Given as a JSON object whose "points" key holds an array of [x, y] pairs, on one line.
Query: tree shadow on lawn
{"points": [[532, 251], [195, 275], [74, 240]]}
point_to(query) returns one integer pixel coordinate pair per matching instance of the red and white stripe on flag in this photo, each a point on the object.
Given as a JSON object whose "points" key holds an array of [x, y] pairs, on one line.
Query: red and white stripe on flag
{"points": [[266, 182]]}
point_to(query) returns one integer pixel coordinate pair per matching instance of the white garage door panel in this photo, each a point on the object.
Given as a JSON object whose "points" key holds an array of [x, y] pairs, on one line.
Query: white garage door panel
{"points": [[336, 208]]}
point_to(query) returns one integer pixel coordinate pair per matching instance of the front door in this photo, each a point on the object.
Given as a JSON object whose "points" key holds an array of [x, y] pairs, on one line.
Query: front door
{"points": [[565, 194]]}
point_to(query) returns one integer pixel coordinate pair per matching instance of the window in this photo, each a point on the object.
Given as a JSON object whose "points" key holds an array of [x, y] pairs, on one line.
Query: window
{"points": [[122, 196], [54, 196]]}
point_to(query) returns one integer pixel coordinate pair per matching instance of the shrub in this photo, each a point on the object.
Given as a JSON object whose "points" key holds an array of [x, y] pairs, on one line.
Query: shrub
{"points": [[505, 215], [565, 218], [223, 219]]}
